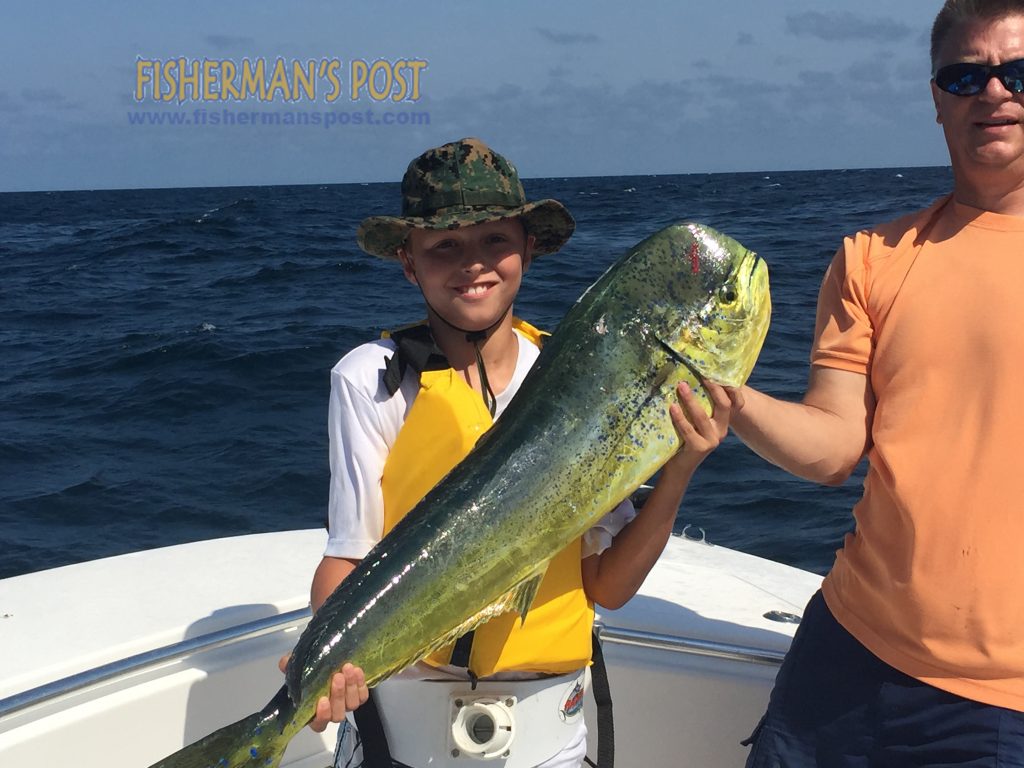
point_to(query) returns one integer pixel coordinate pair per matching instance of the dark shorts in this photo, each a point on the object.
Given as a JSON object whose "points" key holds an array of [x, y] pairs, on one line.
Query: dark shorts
{"points": [[835, 705]]}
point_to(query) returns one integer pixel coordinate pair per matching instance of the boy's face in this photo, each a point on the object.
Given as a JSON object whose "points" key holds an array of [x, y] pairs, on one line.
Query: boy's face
{"points": [[469, 275]]}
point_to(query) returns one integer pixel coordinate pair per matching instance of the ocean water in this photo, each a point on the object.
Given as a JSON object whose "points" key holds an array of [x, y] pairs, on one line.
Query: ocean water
{"points": [[166, 353]]}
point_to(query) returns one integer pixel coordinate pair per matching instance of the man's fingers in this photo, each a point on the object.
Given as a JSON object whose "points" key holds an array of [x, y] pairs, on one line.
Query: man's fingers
{"points": [[718, 394], [735, 395], [723, 405], [696, 414]]}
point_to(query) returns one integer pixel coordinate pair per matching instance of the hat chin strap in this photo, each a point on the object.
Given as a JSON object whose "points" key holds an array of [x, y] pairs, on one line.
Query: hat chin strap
{"points": [[475, 338]]}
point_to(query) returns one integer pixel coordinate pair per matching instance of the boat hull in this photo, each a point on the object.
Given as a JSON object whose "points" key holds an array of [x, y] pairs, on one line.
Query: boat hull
{"points": [[121, 661]]}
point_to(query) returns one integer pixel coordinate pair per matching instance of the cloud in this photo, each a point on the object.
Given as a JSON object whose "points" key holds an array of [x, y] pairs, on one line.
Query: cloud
{"points": [[36, 99], [706, 121], [227, 42], [744, 38], [845, 26], [568, 38], [7, 104], [42, 96]]}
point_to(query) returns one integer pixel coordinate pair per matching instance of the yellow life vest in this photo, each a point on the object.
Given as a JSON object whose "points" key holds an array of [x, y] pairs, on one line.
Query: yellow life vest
{"points": [[445, 421]]}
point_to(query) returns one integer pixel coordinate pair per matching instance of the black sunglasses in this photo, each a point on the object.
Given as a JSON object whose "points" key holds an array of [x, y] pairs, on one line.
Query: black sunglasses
{"points": [[967, 79]]}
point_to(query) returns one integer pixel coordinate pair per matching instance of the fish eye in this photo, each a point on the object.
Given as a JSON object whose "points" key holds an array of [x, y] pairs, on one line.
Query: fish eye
{"points": [[727, 293]]}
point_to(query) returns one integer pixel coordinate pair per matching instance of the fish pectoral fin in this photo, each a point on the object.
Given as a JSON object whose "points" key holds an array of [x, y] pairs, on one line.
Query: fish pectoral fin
{"points": [[523, 595], [518, 599], [678, 358]]}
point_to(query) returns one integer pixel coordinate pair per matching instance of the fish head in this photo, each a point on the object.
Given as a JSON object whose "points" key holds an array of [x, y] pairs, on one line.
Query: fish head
{"points": [[713, 306]]}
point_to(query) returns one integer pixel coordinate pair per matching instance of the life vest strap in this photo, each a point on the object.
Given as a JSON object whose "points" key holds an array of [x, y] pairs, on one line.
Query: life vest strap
{"points": [[462, 650], [416, 349]]}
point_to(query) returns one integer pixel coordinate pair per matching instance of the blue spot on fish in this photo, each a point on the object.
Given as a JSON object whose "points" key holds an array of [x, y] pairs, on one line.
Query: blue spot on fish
{"points": [[253, 751]]}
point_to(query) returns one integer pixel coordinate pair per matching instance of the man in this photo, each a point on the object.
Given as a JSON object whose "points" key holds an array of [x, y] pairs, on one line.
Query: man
{"points": [[913, 652]]}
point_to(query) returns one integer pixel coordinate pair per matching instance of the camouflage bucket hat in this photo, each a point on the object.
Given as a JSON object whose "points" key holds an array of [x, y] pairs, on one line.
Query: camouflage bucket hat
{"points": [[463, 183]]}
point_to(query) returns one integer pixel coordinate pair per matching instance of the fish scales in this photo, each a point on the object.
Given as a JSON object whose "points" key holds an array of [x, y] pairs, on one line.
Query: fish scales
{"points": [[588, 426]]}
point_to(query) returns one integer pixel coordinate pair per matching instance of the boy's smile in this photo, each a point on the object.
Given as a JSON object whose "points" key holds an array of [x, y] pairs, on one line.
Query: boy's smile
{"points": [[469, 275]]}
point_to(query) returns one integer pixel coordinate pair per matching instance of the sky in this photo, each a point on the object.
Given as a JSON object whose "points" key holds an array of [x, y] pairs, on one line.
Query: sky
{"points": [[572, 88]]}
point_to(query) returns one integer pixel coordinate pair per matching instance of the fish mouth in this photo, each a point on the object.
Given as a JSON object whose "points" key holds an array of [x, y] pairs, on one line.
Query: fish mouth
{"points": [[754, 264]]}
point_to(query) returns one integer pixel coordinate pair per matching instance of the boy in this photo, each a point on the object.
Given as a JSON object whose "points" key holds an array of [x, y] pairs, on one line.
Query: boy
{"points": [[404, 410]]}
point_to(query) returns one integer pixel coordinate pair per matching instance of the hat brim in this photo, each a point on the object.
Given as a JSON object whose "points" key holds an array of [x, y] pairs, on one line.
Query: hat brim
{"points": [[547, 221]]}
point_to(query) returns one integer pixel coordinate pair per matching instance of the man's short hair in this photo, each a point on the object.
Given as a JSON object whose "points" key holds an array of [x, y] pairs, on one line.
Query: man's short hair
{"points": [[956, 11]]}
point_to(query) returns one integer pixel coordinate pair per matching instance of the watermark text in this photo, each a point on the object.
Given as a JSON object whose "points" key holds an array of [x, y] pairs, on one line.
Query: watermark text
{"points": [[324, 118], [259, 79]]}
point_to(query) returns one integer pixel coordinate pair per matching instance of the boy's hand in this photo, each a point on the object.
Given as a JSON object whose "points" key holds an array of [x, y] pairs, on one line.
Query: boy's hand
{"points": [[348, 692], [700, 433]]}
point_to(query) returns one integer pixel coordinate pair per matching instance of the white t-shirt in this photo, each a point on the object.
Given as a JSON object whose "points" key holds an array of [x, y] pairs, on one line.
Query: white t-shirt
{"points": [[363, 423]]}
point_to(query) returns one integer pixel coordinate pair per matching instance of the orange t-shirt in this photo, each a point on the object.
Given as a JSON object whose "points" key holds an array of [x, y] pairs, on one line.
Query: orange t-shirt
{"points": [[931, 309]]}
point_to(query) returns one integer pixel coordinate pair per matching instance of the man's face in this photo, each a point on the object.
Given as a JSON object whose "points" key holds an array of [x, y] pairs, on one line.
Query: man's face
{"points": [[984, 131]]}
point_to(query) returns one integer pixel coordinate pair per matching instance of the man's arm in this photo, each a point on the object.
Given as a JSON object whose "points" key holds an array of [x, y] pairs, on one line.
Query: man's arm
{"points": [[822, 438]]}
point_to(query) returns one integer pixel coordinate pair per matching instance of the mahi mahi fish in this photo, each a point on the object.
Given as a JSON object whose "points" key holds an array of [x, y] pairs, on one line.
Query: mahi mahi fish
{"points": [[589, 425]]}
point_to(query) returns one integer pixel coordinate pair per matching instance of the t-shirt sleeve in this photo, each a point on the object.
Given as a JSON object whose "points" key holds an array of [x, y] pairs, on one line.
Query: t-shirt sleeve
{"points": [[843, 329], [358, 446], [599, 538]]}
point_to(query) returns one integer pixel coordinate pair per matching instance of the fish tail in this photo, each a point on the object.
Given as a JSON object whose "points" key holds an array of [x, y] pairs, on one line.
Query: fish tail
{"points": [[256, 741]]}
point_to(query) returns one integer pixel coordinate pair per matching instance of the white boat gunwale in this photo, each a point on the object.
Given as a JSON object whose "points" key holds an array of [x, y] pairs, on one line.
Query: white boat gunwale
{"points": [[131, 665]]}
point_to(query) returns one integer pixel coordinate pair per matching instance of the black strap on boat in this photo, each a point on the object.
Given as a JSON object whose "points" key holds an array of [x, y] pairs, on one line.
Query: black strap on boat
{"points": [[376, 753], [602, 693]]}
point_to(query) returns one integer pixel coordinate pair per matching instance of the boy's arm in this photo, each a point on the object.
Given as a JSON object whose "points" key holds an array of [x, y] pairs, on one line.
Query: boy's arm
{"points": [[329, 574], [822, 438], [356, 438], [613, 577], [348, 687]]}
